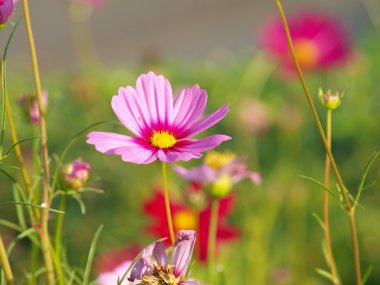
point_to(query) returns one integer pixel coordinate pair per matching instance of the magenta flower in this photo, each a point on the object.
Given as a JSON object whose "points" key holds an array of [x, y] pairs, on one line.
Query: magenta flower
{"points": [[162, 126], [75, 174], [29, 104], [320, 41], [220, 171], [6, 11], [111, 277], [154, 268]]}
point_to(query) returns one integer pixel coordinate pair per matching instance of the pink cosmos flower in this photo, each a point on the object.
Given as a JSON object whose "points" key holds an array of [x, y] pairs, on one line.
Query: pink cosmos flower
{"points": [[75, 174], [154, 268], [111, 277], [320, 41], [162, 126], [6, 11], [217, 165]]}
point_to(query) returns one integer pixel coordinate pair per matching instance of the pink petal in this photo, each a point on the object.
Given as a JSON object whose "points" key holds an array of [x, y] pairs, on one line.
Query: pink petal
{"points": [[188, 106], [155, 93], [172, 155], [204, 123], [130, 149], [200, 145], [130, 112], [182, 251], [202, 174], [160, 254]]}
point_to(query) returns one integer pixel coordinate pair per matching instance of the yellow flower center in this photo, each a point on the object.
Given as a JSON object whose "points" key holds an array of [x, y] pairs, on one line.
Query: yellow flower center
{"points": [[218, 160], [186, 220], [162, 139], [307, 53], [161, 275]]}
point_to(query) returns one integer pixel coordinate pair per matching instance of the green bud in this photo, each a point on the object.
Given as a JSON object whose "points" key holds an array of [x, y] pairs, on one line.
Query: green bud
{"points": [[330, 100], [221, 187]]}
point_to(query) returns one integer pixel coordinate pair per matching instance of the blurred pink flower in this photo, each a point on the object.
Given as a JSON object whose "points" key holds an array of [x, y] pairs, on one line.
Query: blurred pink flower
{"points": [[154, 267], [161, 125], [111, 277], [75, 174], [28, 102], [254, 116], [6, 11], [216, 165], [319, 40]]}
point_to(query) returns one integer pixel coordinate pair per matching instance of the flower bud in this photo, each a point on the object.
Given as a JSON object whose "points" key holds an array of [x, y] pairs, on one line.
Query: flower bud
{"points": [[75, 175], [29, 104], [221, 187], [6, 11], [330, 100]]}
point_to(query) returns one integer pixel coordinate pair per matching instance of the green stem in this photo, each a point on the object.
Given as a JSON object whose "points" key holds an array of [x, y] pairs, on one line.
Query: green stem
{"points": [[5, 264], [350, 209], [33, 264], [167, 204], [330, 256], [58, 229], [211, 243], [44, 234]]}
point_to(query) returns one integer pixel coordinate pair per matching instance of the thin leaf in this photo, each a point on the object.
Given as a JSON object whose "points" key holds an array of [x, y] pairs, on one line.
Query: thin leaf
{"points": [[32, 205], [80, 203], [68, 146], [19, 209], [365, 173], [90, 189], [4, 83], [324, 273], [10, 225], [319, 220], [320, 185], [91, 256], [367, 274], [23, 234], [17, 143], [8, 175]]}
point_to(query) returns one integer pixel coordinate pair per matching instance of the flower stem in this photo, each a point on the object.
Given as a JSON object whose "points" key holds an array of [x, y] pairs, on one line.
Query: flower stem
{"points": [[58, 228], [211, 243], [167, 203], [350, 209], [330, 256], [44, 234], [5, 264]]}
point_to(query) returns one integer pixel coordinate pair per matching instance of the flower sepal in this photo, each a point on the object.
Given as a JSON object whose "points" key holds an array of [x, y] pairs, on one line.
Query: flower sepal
{"points": [[330, 100]]}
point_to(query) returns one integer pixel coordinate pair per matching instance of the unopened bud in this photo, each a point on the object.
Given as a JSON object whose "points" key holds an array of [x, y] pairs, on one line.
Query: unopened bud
{"points": [[75, 175], [330, 100], [221, 187], [29, 105], [6, 11]]}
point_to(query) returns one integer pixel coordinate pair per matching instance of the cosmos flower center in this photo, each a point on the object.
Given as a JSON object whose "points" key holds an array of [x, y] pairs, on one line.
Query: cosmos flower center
{"points": [[185, 220], [161, 275], [162, 139], [218, 160], [307, 53]]}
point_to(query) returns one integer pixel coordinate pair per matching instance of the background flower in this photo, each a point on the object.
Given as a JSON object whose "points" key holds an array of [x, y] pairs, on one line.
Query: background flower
{"points": [[320, 41], [186, 217]]}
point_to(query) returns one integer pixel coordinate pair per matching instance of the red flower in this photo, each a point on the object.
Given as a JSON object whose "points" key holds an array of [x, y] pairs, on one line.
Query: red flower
{"points": [[320, 41], [188, 218]]}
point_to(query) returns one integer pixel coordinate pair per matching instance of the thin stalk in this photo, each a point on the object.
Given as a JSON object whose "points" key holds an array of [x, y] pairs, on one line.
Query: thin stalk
{"points": [[58, 228], [350, 209], [44, 236], [33, 264], [331, 261], [211, 243], [167, 203], [5, 264]]}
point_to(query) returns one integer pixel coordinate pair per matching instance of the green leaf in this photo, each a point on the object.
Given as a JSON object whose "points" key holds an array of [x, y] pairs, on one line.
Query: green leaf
{"points": [[17, 143], [4, 84], [91, 256], [364, 175], [19, 209], [319, 220], [26, 233], [81, 204], [32, 205], [8, 175], [10, 225], [324, 273], [367, 274], [320, 185]]}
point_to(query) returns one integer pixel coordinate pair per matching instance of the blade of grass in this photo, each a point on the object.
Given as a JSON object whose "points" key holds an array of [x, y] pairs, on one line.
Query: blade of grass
{"points": [[91, 256]]}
